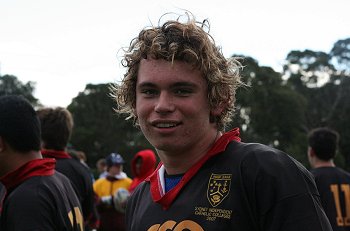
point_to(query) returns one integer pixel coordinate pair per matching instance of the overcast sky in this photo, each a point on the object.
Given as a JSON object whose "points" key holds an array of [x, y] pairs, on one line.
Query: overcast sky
{"points": [[64, 44]]}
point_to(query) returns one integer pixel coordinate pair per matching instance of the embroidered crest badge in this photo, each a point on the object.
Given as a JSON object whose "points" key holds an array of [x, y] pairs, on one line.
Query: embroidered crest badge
{"points": [[218, 188]]}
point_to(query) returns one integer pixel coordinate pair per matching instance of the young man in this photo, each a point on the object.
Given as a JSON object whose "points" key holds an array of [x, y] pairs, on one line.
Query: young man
{"points": [[56, 129], [180, 90], [37, 197], [106, 188], [332, 182]]}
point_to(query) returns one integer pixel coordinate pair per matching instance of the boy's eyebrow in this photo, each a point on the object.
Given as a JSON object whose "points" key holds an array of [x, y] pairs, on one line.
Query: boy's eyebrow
{"points": [[184, 84], [177, 84], [146, 84]]}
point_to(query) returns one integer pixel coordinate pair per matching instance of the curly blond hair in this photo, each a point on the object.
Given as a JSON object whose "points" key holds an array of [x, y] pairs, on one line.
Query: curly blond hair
{"points": [[181, 41]]}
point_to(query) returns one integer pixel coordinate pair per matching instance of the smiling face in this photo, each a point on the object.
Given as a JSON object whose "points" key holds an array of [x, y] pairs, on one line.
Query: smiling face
{"points": [[172, 106]]}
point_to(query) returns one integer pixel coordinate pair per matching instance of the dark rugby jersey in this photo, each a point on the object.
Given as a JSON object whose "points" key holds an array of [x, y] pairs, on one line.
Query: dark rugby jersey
{"points": [[334, 186], [240, 187], [79, 176], [39, 198]]}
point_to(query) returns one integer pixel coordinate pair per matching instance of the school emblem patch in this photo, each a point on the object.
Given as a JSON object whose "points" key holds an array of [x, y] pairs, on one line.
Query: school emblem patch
{"points": [[218, 188]]}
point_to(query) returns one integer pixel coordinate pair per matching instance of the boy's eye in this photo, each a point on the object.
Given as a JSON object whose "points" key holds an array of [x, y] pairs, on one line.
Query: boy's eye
{"points": [[149, 92], [183, 91]]}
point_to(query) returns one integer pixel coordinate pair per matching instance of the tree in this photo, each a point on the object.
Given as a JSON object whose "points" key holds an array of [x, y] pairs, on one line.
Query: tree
{"points": [[323, 79], [339, 113], [341, 55], [98, 130], [10, 85], [269, 111], [308, 68]]}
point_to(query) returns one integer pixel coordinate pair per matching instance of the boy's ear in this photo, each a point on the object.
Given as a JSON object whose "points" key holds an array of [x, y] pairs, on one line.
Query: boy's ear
{"points": [[311, 152]]}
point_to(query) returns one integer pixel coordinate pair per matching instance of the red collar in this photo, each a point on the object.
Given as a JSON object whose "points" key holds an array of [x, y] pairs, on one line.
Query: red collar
{"points": [[166, 199], [37, 167], [48, 153]]}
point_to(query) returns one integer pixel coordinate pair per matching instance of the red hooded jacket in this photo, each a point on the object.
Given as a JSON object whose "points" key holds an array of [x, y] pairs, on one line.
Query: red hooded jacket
{"points": [[148, 165]]}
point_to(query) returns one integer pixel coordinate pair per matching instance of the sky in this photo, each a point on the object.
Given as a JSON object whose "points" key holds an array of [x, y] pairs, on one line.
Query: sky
{"points": [[62, 45]]}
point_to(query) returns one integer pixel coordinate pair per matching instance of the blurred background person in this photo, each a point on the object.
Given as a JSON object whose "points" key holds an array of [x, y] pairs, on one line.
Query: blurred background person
{"points": [[142, 165], [56, 129], [106, 188], [37, 197], [81, 157], [101, 168], [333, 183]]}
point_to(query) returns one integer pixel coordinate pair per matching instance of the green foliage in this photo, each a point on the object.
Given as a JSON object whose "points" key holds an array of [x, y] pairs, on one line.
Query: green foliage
{"points": [[341, 55], [270, 112], [278, 109], [324, 80], [10, 85], [339, 118], [98, 130], [310, 67]]}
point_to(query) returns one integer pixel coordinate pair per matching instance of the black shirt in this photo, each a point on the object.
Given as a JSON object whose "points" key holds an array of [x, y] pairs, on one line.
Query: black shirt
{"points": [[239, 187], [334, 186], [40, 199], [79, 177]]}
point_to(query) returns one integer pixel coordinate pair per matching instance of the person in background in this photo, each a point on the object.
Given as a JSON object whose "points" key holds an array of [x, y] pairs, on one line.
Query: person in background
{"points": [[332, 182], [142, 165], [180, 90], [106, 189], [37, 197], [56, 129], [81, 157], [101, 168]]}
